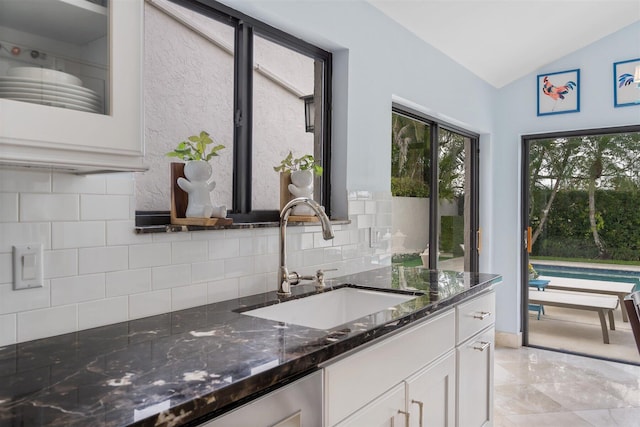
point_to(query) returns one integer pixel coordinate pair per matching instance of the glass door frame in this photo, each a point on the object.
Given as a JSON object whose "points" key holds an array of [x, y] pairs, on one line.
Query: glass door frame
{"points": [[474, 175], [524, 211]]}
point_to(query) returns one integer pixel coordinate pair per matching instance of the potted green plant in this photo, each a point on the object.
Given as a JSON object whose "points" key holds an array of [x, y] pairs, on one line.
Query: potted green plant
{"points": [[296, 180], [196, 151], [306, 162]]}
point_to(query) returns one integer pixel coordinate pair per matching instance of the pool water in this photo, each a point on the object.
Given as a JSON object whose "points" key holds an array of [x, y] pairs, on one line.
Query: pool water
{"points": [[610, 275]]}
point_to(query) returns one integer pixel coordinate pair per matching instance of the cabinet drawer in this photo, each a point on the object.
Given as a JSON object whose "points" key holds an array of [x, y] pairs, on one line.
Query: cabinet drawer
{"points": [[299, 402], [359, 378], [475, 315], [382, 412]]}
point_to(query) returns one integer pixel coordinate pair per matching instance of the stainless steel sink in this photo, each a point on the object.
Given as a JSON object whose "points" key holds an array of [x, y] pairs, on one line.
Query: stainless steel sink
{"points": [[331, 309]]}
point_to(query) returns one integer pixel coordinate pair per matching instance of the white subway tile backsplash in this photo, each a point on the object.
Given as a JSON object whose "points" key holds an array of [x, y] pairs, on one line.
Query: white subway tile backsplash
{"points": [[47, 322], [207, 271], [313, 257], [8, 207], [306, 240], [8, 329], [319, 242], [69, 290], [188, 296], [24, 181], [6, 268], [77, 234], [224, 248], [149, 255], [340, 238], [24, 233], [103, 312], [128, 282], [170, 237], [253, 245], [356, 208], [222, 290], [120, 183], [60, 263], [100, 260], [25, 299], [123, 233], [49, 207], [370, 207], [236, 267], [266, 263], [103, 207], [170, 276], [252, 285], [332, 254], [189, 251], [149, 303], [98, 271], [88, 184]]}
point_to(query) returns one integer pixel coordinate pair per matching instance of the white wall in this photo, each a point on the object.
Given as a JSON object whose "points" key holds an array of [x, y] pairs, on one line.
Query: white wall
{"points": [[515, 115]]}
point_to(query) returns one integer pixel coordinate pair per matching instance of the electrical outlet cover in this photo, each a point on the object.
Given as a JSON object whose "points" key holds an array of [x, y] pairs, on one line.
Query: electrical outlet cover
{"points": [[27, 266]]}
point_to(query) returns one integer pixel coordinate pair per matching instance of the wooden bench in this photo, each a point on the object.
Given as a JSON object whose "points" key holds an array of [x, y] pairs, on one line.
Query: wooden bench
{"points": [[619, 289], [603, 304]]}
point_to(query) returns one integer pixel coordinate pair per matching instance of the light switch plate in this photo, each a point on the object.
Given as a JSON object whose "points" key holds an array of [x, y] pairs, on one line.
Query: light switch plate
{"points": [[27, 266]]}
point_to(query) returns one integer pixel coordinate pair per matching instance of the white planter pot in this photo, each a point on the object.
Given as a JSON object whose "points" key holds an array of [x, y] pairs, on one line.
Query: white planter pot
{"points": [[302, 186]]}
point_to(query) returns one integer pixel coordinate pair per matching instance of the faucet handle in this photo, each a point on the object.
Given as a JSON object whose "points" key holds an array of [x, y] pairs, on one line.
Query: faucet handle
{"points": [[319, 282]]}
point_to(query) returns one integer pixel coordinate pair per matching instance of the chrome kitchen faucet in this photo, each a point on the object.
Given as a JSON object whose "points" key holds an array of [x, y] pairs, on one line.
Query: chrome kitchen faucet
{"points": [[286, 279]]}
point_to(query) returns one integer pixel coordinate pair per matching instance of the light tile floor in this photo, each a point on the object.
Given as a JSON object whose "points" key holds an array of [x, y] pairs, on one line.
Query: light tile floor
{"points": [[540, 388]]}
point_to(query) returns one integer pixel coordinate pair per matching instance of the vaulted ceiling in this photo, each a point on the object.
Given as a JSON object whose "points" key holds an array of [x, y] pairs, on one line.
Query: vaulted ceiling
{"points": [[501, 41]]}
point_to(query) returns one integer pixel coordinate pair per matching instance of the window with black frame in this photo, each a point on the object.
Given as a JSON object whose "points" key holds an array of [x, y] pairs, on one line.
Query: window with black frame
{"points": [[434, 186], [258, 91]]}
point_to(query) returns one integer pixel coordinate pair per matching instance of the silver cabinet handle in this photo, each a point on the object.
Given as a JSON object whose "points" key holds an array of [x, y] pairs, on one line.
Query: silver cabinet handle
{"points": [[406, 416], [393, 421], [482, 315], [420, 408], [482, 346]]}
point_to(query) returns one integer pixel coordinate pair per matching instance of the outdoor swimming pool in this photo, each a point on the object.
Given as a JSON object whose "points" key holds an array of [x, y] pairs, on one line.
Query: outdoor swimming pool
{"points": [[611, 275]]}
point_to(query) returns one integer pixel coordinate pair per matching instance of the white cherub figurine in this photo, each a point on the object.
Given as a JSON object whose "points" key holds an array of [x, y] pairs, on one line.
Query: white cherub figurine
{"points": [[199, 191], [302, 186]]}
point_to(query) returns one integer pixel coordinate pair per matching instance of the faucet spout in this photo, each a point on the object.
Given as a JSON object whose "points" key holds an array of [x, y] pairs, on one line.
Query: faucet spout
{"points": [[286, 279]]}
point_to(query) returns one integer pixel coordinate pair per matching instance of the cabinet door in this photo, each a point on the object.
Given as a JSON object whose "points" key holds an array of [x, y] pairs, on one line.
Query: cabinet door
{"points": [[475, 380], [431, 394], [297, 404], [385, 411], [32, 134]]}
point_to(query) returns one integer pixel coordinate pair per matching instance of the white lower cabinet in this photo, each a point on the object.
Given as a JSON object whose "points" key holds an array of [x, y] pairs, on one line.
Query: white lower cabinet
{"points": [[475, 386], [366, 383], [385, 411], [431, 394], [475, 354], [295, 405], [438, 373]]}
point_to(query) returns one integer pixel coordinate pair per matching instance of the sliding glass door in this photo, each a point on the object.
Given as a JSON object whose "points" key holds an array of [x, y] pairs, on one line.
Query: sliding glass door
{"points": [[581, 239], [432, 158]]}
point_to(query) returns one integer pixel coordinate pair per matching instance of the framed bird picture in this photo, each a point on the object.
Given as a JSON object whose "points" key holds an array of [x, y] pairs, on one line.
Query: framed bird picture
{"points": [[626, 87], [559, 92]]}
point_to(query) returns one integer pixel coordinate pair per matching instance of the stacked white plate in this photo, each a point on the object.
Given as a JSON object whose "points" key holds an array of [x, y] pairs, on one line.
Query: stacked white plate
{"points": [[48, 87]]}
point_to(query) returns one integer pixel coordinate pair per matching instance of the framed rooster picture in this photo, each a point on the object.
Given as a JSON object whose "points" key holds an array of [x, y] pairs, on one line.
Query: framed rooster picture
{"points": [[559, 93], [626, 88]]}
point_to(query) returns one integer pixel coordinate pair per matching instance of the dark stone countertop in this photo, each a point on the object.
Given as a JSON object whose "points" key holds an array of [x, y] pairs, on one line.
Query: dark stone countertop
{"points": [[188, 365]]}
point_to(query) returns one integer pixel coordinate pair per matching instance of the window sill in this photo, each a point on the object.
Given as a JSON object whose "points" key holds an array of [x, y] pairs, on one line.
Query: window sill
{"points": [[172, 228]]}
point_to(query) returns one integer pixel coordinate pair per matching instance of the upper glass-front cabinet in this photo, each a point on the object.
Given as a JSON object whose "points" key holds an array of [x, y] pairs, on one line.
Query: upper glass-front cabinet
{"points": [[71, 84]]}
